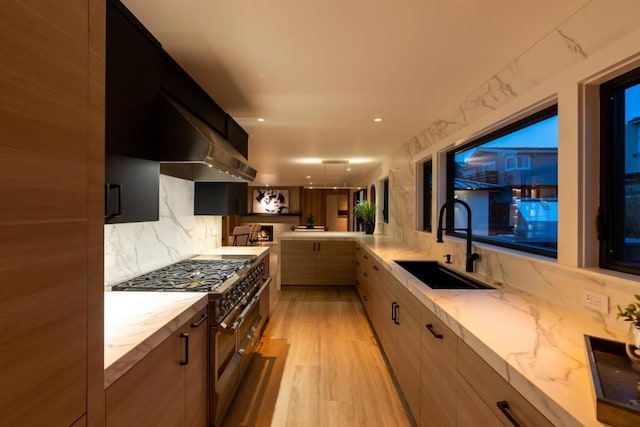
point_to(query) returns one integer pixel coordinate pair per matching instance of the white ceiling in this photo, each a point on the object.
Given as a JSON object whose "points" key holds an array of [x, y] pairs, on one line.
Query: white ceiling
{"points": [[319, 72]]}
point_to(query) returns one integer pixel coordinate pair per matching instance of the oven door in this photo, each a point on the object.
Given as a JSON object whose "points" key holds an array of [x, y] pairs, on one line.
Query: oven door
{"points": [[232, 343], [249, 330]]}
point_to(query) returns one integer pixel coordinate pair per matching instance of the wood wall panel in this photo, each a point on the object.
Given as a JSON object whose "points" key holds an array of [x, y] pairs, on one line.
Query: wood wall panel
{"points": [[43, 323], [315, 202], [96, 173], [51, 211]]}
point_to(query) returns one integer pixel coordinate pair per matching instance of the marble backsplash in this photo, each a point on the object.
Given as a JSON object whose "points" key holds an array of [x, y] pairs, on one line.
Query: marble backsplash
{"points": [[137, 248], [592, 29]]}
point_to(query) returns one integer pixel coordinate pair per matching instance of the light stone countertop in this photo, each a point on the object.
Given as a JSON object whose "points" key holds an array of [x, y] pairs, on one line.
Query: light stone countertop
{"points": [[538, 347], [136, 322], [320, 235], [236, 250]]}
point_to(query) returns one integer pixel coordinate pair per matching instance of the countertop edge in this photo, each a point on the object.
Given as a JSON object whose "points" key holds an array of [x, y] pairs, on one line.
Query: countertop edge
{"points": [[137, 352]]}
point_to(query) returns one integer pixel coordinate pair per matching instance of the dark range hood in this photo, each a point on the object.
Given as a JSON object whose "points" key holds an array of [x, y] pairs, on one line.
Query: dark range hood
{"points": [[192, 150]]}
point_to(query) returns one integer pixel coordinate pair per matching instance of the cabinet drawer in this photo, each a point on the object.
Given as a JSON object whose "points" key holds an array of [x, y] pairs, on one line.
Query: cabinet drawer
{"points": [[438, 396], [492, 388], [471, 409]]}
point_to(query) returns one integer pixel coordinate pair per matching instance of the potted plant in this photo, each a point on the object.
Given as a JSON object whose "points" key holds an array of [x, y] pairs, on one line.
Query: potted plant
{"points": [[310, 221], [366, 211], [631, 313]]}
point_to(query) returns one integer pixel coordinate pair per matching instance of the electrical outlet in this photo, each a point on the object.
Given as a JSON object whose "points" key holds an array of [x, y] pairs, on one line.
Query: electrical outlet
{"points": [[595, 301]]}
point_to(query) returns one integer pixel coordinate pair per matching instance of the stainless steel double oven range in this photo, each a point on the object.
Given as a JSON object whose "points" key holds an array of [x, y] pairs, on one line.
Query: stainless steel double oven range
{"points": [[238, 289]]}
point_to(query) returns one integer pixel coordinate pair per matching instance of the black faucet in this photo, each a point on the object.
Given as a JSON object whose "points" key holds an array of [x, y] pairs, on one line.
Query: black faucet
{"points": [[471, 257]]}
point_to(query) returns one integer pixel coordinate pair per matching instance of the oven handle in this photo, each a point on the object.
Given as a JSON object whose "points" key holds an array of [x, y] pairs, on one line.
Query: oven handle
{"points": [[223, 326], [263, 287], [252, 303]]}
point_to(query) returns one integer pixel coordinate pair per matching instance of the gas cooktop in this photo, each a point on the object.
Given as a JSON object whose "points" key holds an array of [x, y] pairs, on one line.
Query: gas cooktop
{"points": [[186, 276]]}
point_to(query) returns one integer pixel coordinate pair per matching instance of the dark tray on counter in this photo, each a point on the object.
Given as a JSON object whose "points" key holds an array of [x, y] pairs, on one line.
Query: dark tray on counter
{"points": [[616, 383]]}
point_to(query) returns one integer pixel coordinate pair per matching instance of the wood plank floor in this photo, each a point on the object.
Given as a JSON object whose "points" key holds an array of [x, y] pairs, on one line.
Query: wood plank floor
{"points": [[318, 364]]}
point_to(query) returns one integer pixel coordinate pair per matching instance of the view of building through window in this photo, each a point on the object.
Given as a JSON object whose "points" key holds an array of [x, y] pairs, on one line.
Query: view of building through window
{"points": [[510, 181], [631, 249]]}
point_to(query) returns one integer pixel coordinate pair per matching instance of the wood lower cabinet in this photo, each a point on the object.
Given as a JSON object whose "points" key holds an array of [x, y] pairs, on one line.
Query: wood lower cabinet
{"points": [[365, 276], [395, 315], [471, 409], [317, 262], [507, 405], [438, 391], [161, 389], [444, 382], [407, 353]]}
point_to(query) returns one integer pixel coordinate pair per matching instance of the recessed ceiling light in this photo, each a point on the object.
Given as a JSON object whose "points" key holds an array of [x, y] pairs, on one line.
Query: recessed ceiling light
{"points": [[260, 119], [377, 119], [349, 169], [308, 176]]}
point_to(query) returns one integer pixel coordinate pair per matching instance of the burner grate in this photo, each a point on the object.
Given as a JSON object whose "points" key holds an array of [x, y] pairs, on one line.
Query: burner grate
{"points": [[189, 275]]}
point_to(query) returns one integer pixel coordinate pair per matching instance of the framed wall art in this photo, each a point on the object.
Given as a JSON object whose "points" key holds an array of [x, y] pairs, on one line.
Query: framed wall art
{"points": [[270, 200]]}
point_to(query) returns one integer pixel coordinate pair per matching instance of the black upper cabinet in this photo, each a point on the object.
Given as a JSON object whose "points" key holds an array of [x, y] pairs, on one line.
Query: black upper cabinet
{"points": [[237, 137], [132, 86], [132, 191], [132, 93], [220, 198], [178, 83], [138, 70]]}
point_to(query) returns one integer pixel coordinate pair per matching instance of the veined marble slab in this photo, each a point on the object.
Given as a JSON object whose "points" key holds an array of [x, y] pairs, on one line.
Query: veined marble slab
{"points": [[136, 322]]}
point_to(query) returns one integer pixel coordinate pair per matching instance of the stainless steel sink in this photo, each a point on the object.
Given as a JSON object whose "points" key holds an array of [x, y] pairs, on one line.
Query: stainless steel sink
{"points": [[437, 276]]}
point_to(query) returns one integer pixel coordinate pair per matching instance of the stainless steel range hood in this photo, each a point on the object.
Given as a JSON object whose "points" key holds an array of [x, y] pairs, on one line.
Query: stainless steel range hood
{"points": [[192, 150]]}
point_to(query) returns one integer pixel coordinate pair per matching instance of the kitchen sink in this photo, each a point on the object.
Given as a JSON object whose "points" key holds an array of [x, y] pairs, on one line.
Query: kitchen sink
{"points": [[437, 276]]}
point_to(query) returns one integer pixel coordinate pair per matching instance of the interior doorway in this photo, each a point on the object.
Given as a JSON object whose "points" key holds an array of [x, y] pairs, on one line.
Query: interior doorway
{"points": [[337, 213], [359, 196]]}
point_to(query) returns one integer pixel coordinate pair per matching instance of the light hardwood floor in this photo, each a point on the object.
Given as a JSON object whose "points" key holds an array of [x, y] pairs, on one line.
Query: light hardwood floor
{"points": [[318, 364]]}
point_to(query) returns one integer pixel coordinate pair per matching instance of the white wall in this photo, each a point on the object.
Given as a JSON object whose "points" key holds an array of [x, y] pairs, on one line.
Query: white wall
{"points": [[597, 43], [136, 248]]}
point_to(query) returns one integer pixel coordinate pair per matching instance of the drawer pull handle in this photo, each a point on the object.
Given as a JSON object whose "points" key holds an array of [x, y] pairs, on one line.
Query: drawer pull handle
{"points": [[395, 314], [201, 321], [366, 257], [503, 405], [375, 267], [433, 331], [186, 348], [365, 274]]}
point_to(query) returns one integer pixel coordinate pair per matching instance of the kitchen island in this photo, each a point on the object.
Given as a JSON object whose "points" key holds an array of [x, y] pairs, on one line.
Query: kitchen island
{"points": [[536, 346]]}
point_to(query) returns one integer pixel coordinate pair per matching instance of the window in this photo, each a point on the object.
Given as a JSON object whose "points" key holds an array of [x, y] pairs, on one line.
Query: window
{"points": [[385, 200], [427, 197], [515, 204], [517, 162], [489, 166], [619, 219]]}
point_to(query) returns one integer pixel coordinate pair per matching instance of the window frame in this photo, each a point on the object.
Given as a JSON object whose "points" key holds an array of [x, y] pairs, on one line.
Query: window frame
{"points": [[524, 122], [612, 168], [427, 199], [385, 200]]}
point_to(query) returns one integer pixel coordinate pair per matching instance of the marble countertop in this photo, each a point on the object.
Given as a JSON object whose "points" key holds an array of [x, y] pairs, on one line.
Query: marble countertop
{"points": [[136, 322], [236, 250], [538, 347], [321, 235]]}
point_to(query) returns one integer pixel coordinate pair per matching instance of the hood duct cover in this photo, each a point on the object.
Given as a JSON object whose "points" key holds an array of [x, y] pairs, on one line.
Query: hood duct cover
{"points": [[191, 149]]}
